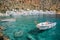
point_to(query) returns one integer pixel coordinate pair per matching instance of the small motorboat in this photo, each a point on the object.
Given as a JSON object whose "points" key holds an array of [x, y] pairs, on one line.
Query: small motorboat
{"points": [[8, 20], [45, 25], [18, 33]]}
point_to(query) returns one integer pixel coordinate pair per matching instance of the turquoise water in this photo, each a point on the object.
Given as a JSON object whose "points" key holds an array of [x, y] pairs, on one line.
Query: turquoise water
{"points": [[27, 26]]}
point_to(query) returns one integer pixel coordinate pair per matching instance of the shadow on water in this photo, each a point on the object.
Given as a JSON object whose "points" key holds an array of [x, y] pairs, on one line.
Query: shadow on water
{"points": [[3, 21], [36, 31]]}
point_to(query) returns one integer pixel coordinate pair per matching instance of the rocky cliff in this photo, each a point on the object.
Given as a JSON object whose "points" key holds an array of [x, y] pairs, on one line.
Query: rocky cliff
{"points": [[30, 4]]}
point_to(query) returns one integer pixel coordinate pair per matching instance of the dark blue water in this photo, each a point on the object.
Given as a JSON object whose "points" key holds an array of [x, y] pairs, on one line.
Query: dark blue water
{"points": [[27, 26], [58, 29]]}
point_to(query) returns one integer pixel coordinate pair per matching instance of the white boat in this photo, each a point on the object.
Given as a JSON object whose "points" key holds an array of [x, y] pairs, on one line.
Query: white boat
{"points": [[45, 25], [8, 20]]}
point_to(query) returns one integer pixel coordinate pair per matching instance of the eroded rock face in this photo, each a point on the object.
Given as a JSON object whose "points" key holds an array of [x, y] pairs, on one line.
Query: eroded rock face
{"points": [[29, 4]]}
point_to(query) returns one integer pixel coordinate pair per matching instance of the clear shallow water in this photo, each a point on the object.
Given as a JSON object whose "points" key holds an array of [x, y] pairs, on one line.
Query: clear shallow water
{"points": [[27, 25]]}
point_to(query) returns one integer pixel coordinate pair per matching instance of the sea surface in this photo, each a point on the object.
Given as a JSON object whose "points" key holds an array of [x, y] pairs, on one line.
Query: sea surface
{"points": [[24, 28]]}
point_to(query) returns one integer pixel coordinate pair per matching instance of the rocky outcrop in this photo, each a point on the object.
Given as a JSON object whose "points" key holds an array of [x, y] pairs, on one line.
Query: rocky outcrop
{"points": [[30, 4]]}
